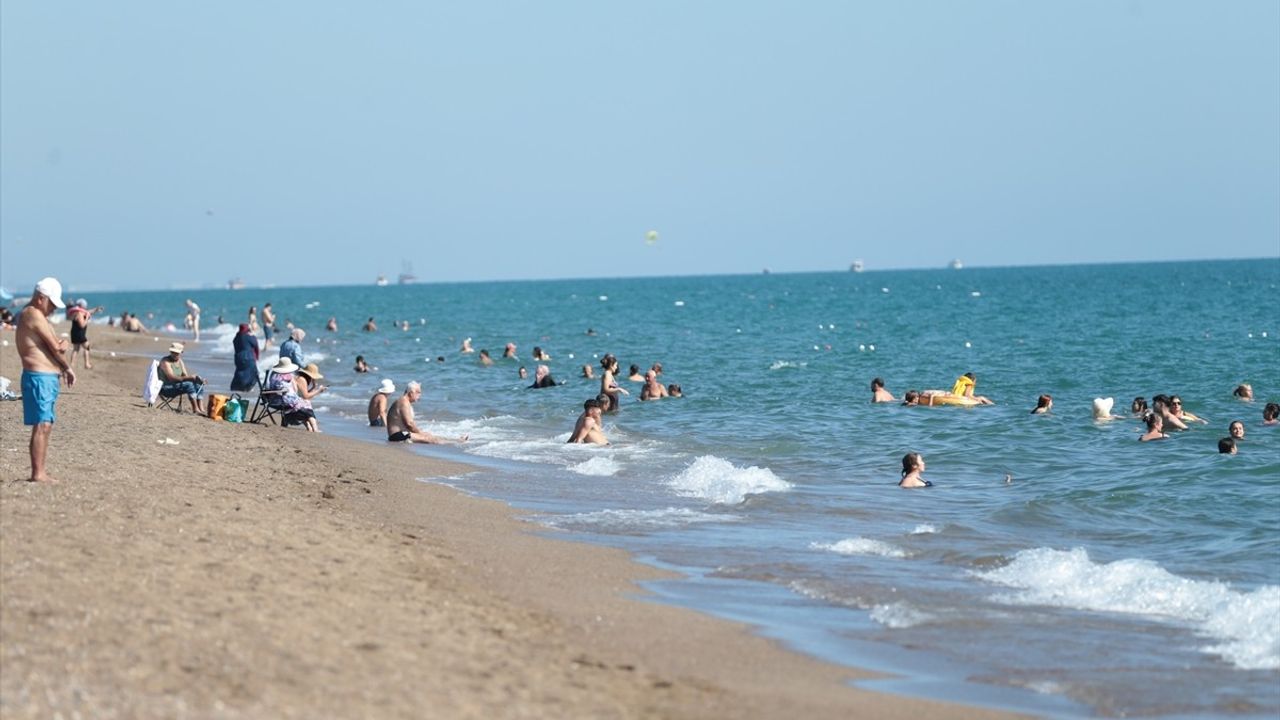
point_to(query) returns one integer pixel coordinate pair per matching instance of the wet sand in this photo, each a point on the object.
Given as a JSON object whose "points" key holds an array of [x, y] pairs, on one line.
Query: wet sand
{"points": [[255, 572]]}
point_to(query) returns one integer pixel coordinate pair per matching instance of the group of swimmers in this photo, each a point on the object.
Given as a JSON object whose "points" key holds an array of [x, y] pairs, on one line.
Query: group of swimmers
{"points": [[1164, 411]]}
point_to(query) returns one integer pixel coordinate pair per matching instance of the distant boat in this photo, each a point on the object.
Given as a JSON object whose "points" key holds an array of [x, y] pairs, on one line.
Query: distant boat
{"points": [[235, 284], [956, 264], [406, 273], [766, 271], [381, 281], [856, 266]]}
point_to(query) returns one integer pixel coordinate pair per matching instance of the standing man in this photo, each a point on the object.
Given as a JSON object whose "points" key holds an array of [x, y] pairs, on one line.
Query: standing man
{"points": [[400, 424], [43, 368], [268, 324]]}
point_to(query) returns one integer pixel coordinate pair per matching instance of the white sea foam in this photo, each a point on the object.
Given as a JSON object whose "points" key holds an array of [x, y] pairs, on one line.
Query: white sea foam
{"points": [[600, 466], [781, 364], [861, 546], [618, 520], [925, 529], [1243, 624], [720, 481], [899, 615]]}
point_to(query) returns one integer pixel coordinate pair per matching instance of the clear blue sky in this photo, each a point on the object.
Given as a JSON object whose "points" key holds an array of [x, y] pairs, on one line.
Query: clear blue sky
{"points": [[158, 144]]}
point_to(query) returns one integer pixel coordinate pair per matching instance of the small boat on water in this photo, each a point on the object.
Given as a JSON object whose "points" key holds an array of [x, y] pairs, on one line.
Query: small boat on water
{"points": [[381, 281], [956, 264], [406, 273], [235, 284], [856, 266]]}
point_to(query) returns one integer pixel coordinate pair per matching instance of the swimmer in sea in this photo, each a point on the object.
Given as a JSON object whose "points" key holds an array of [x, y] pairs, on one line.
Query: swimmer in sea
{"points": [[523, 373], [361, 365], [1155, 428], [1160, 406], [1043, 405], [653, 390], [484, 358], [608, 385], [1175, 406], [964, 387], [879, 394], [370, 326], [1227, 446], [1244, 391], [912, 466], [588, 429], [1236, 430], [509, 351], [634, 374], [1139, 406], [911, 398], [1102, 409], [332, 325], [1271, 414], [539, 355], [466, 346], [588, 372], [673, 390]]}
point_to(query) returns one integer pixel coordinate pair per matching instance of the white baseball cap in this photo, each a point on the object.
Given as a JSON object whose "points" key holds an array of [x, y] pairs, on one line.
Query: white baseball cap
{"points": [[52, 289]]}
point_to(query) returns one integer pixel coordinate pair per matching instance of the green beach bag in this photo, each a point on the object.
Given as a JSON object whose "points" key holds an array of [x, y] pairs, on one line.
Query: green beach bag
{"points": [[233, 411]]}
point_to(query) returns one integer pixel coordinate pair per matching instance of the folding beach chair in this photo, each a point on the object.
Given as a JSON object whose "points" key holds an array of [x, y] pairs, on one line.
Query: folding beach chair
{"points": [[151, 390], [270, 403]]}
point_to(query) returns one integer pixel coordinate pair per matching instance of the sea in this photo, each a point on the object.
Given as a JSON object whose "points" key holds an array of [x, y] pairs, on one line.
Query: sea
{"points": [[1057, 566]]}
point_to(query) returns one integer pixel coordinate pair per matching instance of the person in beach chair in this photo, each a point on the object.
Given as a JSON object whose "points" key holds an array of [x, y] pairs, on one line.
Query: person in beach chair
{"points": [[176, 381]]}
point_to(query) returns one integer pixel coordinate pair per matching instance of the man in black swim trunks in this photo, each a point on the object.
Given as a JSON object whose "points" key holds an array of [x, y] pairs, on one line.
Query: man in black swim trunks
{"points": [[400, 424]]}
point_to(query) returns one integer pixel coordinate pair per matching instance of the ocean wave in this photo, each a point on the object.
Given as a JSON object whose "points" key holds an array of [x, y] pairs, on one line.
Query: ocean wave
{"points": [[899, 615], [598, 466], [720, 481], [632, 520], [782, 364], [861, 546], [1242, 623], [925, 529]]}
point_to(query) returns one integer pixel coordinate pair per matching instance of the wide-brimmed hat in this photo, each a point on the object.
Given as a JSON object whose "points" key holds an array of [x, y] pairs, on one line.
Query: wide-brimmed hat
{"points": [[177, 348], [284, 366], [312, 371], [386, 387]]}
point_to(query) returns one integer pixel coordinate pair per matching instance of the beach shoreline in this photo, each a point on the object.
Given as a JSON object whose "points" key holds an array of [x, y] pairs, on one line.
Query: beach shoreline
{"points": [[250, 571]]}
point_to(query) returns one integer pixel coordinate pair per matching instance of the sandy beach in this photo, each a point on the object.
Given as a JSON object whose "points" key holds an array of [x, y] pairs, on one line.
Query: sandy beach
{"points": [[246, 571]]}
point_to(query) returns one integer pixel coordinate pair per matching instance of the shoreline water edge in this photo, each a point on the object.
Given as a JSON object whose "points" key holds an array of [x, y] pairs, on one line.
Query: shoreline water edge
{"points": [[1057, 566], [189, 568]]}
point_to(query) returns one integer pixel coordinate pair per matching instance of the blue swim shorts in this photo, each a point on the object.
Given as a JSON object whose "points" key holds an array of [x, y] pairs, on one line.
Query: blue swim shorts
{"points": [[268, 331], [39, 393]]}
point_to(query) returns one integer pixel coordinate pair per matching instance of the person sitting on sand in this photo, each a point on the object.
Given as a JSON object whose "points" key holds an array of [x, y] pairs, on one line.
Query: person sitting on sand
{"points": [[400, 424], [1227, 446], [879, 394], [588, 428], [1139, 406], [378, 403], [177, 381], [1175, 406], [1271, 414], [1244, 391], [1043, 405], [912, 466], [652, 390], [466, 347], [588, 372], [634, 374], [361, 365], [484, 359], [673, 390], [1236, 430], [1102, 409], [1155, 427], [131, 323], [542, 378]]}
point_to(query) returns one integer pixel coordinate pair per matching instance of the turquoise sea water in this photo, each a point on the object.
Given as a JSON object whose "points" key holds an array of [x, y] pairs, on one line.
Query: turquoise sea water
{"points": [[1110, 577]]}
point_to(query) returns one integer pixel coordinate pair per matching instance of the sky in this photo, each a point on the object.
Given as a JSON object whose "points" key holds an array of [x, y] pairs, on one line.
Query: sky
{"points": [[180, 144]]}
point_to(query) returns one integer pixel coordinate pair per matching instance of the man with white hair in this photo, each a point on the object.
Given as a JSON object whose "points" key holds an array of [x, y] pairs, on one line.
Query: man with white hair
{"points": [[292, 348], [43, 368], [400, 424]]}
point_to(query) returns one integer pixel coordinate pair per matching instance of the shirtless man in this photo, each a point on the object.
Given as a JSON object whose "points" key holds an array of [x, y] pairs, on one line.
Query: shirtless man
{"points": [[268, 325], [370, 326], [652, 390], [378, 403], [43, 368], [879, 394], [588, 429], [400, 425]]}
